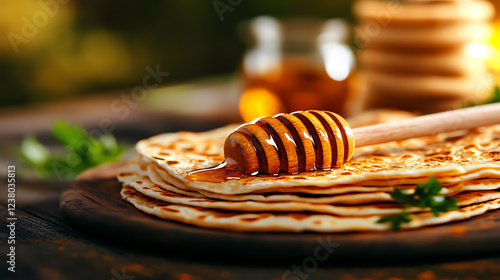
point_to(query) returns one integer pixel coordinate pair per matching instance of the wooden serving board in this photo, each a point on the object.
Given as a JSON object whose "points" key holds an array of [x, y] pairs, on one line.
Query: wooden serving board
{"points": [[94, 205]]}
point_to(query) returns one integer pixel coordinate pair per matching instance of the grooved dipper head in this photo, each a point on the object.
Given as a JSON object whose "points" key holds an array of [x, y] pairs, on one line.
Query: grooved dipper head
{"points": [[290, 143]]}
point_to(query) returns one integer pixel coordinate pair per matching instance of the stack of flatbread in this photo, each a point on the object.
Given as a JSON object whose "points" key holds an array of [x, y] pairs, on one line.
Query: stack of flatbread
{"points": [[350, 198], [424, 55]]}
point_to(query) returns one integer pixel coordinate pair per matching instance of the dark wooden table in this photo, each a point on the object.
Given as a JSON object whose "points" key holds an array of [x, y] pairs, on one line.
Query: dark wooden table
{"points": [[48, 247]]}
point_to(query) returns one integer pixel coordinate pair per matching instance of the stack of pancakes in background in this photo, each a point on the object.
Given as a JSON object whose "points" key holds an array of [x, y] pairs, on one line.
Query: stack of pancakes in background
{"points": [[426, 56], [352, 197]]}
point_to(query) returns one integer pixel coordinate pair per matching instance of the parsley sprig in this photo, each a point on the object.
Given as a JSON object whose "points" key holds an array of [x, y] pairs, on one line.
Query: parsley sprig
{"points": [[426, 196], [80, 152]]}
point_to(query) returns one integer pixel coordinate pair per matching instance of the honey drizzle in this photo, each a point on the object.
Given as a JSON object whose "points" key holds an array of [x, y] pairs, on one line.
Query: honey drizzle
{"points": [[217, 174], [229, 169]]}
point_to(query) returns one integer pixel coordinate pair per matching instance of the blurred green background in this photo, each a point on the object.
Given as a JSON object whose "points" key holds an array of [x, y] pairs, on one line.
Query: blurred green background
{"points": [[53, 49]]}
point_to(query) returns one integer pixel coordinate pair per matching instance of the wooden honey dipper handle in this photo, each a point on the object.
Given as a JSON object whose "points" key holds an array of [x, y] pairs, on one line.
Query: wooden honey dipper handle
{"points": [[428, 125]]}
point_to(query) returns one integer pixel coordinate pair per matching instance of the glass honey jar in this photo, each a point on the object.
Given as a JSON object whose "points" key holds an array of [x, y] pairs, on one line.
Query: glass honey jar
{"points": [[296, 64]]}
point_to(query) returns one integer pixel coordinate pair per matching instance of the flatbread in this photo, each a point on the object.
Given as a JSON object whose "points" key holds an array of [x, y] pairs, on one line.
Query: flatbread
{"points": [[450, 157], [288, 222], [148, 188], [335, 194]]}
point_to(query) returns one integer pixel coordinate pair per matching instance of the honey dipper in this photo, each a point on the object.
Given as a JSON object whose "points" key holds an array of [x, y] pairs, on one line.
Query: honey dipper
{"points": [[312, 140]]}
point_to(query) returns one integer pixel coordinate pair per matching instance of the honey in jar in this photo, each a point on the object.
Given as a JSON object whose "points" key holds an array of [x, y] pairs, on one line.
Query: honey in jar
{"points": [[296, 65]]}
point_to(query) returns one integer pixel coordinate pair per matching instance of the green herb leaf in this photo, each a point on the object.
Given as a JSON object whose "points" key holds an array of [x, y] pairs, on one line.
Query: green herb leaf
{"points": [[433, 187], [400, 196], [425, 196], [81, 152], [441, 204], [396, 220], [67, 135], [34, 151]]}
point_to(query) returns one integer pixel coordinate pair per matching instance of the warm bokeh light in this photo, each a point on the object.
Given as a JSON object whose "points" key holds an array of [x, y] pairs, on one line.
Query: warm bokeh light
{"points": [[493, 54], [338, 59], [48, 44], [258, 102], [477, 50]]}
